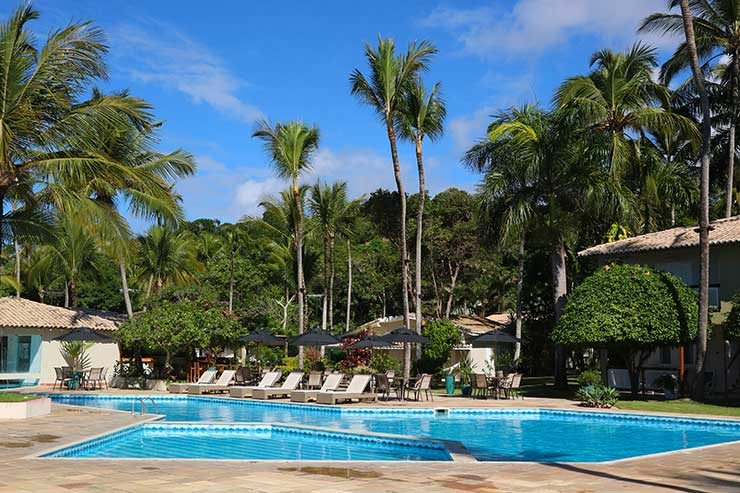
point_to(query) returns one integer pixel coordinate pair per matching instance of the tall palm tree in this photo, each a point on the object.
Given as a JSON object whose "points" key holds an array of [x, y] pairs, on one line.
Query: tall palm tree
{"points": [[290, 146], [422, 115], [332, 214], [716, 27], [166, 257], [704, 227], [45, 124], [619, 99], [384, 89]]}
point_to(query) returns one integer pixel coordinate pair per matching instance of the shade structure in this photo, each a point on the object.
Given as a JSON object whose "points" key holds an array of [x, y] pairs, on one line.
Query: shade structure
{"points": [[493, 337], [404, 335], [369, 342], [263, 337], [316, 337], [83, 334]]}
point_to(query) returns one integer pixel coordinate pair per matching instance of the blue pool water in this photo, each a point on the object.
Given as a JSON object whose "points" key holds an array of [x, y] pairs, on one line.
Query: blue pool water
{"points": [[489, 435], [252, 442]]}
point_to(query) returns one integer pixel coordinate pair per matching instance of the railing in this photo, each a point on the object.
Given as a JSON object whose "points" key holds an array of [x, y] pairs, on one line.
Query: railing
{"points": [[142, 401]]}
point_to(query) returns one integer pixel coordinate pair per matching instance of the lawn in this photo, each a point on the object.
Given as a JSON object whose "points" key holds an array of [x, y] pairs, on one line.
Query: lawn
{"points": [[15, 397], [682, 406]]}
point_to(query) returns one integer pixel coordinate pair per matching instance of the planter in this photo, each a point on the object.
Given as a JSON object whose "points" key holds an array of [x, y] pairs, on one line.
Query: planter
{"points": [[156, 385], [467, 391], [450, 384], [139, 384], [25, 409]]}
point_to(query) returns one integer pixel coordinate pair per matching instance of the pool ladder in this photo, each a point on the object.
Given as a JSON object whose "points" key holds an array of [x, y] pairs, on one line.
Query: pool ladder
{"points": [[142, 401]]}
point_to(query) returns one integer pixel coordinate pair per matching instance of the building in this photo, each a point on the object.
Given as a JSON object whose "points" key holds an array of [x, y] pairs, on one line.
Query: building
{"points": [[28, 353], [676, 251]]}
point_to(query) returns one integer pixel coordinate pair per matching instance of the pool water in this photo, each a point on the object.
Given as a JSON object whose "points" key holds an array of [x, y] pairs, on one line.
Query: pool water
{"points": [[489, 435], [250, 442]]}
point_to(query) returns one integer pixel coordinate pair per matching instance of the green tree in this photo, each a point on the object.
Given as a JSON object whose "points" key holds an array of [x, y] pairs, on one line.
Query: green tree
{"points": [[442, 335], [389, 77], [631, 310], [290, 146], [166, 258]]}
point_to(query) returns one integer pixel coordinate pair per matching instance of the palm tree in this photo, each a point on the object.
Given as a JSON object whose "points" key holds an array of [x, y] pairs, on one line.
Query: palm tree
{"points": [[46, 128], [166, 257], [619, 99], [716, 25], [704, 227], [332, 214], [290, 146], [384, 90], [422, 115]]}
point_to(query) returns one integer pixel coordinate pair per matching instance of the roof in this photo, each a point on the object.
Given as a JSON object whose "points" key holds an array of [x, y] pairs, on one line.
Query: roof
{"points": [[20, 312], [381, 326], [478, 325], [724, 231]]}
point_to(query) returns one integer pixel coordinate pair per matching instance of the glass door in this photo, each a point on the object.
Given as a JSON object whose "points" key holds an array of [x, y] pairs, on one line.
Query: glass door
{"points": [[24, 354]]}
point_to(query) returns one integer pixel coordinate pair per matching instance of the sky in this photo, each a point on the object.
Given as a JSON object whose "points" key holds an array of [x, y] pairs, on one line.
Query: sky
{"points": [[213, 69]]}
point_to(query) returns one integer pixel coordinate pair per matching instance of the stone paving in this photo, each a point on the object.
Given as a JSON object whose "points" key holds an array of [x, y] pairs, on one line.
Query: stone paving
{"points": [[713, 469]]}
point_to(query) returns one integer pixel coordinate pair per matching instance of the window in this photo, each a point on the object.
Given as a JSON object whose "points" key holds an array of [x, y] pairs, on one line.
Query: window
{"points": [[665, 356], [24, 354]]}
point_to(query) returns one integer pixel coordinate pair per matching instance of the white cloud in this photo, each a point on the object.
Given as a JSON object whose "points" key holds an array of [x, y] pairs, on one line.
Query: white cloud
{"points": [[532, 26], [161, 54], [467, 129], [250, 193]]}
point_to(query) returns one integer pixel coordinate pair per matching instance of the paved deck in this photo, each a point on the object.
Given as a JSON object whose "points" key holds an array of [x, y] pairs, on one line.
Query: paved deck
{"points": [[713, 469]]}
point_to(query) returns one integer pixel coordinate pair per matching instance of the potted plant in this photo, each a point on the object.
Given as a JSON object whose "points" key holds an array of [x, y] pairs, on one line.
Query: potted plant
{"points": [[465, 369], [668, 383]]}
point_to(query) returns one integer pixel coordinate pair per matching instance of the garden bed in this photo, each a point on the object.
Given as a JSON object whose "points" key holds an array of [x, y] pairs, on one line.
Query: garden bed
{"points": [[22, 406]]}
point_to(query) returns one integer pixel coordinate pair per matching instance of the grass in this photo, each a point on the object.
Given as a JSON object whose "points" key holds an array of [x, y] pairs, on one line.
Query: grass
{"points": [[682, 406], [15, 397]]}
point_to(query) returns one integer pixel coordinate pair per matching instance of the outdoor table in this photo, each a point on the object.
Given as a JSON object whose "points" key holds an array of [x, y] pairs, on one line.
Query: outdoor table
{"points": [[494, 384], [404, 384], [77, 378]]}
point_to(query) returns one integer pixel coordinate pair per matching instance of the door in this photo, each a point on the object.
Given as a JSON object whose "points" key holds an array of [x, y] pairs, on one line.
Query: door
{"points": [[24, 354]]}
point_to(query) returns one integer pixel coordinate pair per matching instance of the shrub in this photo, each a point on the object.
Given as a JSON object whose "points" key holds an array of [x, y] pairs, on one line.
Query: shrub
{"points": [[442, 335], [382, 362], [597, 396], [589, 378], [290, 363], [732, 324]]}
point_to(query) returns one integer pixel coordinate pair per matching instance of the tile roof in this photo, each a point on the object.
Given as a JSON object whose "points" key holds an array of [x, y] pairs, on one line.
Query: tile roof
{"points": [[725, 231], [479, 325], [20, 312]]}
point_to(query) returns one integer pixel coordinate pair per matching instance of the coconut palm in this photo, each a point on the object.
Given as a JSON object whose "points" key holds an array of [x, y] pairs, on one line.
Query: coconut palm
{"points": [[166, 257], [290, 146], [619, 99], [332, 215], [384, 89], [716, 26], [422, 116]]}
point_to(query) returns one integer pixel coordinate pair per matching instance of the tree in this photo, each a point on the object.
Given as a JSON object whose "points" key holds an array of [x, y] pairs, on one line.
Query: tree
{"points": [[166, 258], [442, 335], [716, 45], [389, 78], [630, 310], [422, 115], [290, 146]]}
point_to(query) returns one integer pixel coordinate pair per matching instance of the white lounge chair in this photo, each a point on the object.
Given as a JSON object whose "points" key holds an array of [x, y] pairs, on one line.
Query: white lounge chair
{"points": [[331, 383], [221, 385], [268, 380], [289, 385], [355, 390], [208, 376]]}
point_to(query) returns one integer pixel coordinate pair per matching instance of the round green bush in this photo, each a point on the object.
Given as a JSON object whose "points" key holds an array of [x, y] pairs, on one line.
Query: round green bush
{"points": [[589, 377]]}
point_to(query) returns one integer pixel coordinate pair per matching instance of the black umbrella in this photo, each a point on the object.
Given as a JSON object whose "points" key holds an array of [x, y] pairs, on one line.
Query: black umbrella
{"points": [[493, 337], [405, 335], [263, 337], [369, 342], [316, 337], [83, 334]]}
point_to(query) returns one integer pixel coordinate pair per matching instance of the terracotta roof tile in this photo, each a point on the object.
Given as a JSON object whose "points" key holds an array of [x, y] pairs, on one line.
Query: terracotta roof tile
{"points": [[725, 231], [20, 312]]}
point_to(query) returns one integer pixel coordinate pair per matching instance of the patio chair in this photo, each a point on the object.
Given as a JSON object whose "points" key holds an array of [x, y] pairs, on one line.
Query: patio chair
{"points": [[289, 385], [208, 376], [480, 385], [241, 377], [314, 380], [331, 382], [93, 378], [268, 380], [423, 387], [384, 387], [510, 386], [355, 390], [61, 378], [221, 385], [104, 377]]}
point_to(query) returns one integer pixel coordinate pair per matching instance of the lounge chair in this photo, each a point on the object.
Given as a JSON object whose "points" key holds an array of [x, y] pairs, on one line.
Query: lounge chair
{"points": [[314, 380], [331, 383], [268, 380], [222, 384], [289, 385], [208, 376], [355, 390]]}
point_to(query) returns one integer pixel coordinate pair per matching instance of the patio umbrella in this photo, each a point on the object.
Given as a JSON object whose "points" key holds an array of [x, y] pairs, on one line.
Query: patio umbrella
{"points": [[370, 342], [83, 334], [262, 337], [405, 336], [493, 337], [316, 337]]}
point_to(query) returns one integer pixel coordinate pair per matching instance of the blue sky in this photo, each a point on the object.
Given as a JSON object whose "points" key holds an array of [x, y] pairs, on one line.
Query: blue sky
{"points": [[211, 69]]}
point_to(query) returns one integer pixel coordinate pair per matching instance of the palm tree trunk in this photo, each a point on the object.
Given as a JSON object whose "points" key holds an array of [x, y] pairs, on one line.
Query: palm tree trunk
{"points": [[299, 259], [404, 246], [17, 252], [704, 227], [73, 293], [124, 288], [325, 298], [349, 286], [731, 147], [519, 288], [2, 217], [66, 294], [419, 220], [231, 282], [559, 290], [330, 302]]}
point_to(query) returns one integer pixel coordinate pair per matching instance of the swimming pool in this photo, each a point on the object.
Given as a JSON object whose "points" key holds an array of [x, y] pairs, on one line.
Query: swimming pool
{"points": [[540, 435]]}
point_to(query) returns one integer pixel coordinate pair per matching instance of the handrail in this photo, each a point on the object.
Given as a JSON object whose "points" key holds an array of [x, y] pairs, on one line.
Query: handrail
{"points": [[143, 400]]}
